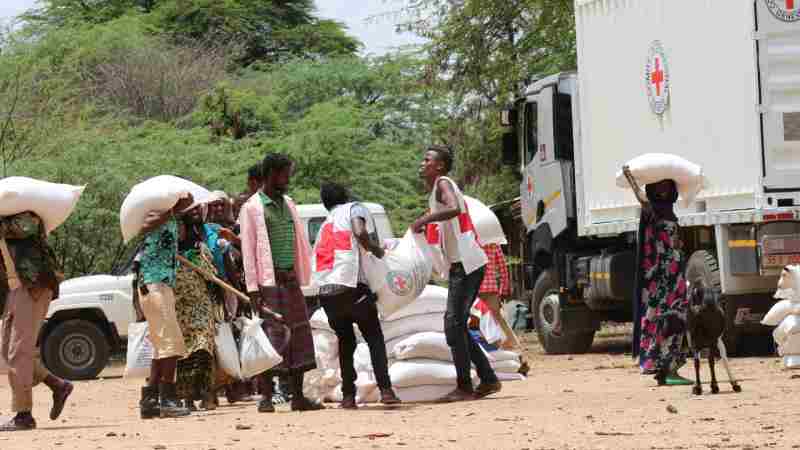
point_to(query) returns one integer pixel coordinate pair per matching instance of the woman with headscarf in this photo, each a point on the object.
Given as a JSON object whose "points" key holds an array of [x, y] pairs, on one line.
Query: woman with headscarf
{"points": [[198, 309], [660, 300]]}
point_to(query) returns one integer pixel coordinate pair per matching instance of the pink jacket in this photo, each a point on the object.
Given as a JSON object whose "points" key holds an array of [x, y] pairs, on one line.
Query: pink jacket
{"points": [[257, 253]]}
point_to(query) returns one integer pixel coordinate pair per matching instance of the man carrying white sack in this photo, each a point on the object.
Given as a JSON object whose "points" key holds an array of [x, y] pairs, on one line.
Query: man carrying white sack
{"points": [[157, 275], [344, 294], [450, 227], [30, 270]]}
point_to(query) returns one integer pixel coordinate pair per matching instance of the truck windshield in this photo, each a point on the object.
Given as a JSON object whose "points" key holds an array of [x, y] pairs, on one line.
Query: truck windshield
{"points": [[531, 132]]}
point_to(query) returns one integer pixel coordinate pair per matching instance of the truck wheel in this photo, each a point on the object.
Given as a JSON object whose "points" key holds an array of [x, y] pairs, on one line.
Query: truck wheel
{"points": [[547, 317], [703, 270], [76, 350]]}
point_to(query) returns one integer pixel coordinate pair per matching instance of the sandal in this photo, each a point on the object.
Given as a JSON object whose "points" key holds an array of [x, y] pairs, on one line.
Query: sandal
{"points": [[677, 380], [304, 404]]}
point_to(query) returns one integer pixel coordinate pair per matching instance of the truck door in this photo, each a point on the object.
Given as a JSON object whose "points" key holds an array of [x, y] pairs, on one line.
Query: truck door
{"points": [[778, 47], [529, 144]]}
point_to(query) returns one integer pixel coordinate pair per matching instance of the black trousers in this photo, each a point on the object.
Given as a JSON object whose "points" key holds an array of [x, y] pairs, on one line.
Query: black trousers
{"points": [[350, 306], [461, 295]]}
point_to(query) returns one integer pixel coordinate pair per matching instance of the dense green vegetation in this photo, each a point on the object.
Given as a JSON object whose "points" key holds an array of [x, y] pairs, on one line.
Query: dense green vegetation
{"points": [[118, 91]]}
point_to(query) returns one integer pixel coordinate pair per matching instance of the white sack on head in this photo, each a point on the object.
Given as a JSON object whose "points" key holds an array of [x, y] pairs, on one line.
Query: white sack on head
{"points": [[52, 202], [159, 194], [401, 275], [654, 167], [486, 223]]}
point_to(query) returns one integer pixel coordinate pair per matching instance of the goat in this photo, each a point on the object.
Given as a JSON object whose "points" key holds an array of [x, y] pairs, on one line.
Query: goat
{"points": [[705, 325]]}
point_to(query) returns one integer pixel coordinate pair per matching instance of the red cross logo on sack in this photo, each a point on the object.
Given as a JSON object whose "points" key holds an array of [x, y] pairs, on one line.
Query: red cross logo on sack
{"points": [[399, 282], [784, 10], [657, 79]]}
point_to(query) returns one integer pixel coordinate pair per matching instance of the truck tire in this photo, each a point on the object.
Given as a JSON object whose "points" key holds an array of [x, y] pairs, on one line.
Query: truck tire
{"points": [[546, 312], [703, 270], [76, 350]]}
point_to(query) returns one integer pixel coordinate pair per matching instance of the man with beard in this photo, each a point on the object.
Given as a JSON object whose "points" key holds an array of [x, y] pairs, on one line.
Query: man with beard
{"points": [[276, 256]]}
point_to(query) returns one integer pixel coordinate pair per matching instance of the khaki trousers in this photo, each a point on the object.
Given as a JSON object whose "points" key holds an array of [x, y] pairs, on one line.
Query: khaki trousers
{"points": [[22, 319], [493, 302]]}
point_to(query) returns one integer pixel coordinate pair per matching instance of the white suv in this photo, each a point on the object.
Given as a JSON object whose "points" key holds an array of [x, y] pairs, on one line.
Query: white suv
{"points": [[90, 318]]}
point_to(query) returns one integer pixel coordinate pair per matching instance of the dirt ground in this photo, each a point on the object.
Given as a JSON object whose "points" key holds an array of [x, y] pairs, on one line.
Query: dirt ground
{"points": [[593, 401]]}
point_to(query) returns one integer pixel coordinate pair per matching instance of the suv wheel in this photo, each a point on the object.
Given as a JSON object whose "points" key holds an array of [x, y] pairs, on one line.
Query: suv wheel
{"points": [[76, 350]]}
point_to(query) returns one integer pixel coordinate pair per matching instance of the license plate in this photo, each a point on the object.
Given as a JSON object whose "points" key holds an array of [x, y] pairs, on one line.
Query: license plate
{"points": [[780, 260]]}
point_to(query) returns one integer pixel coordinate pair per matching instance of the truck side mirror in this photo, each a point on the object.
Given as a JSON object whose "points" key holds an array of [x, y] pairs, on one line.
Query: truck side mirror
{"points": [[510, 149]]}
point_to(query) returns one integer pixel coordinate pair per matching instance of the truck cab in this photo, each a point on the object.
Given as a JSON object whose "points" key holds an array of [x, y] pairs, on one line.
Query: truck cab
{"points": [[90, 318]]}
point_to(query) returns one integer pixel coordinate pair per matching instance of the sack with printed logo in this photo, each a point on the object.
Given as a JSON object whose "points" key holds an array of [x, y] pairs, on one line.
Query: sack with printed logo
{"points": [[401, 275]]}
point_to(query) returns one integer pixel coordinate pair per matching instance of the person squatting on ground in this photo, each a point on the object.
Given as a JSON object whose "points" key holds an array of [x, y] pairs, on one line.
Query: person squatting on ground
{"points": [[449, 226], [496, 287], [276, 255], [31, 277], [661, 299], [347, 234], [158, 267]]}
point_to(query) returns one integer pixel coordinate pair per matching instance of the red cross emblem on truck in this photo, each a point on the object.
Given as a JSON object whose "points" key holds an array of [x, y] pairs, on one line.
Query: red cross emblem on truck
{"points": [[400, 283], [784, 10], [657, 79]]}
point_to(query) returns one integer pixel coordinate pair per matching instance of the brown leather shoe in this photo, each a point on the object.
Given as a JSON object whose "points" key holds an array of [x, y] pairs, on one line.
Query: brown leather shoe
{"points": [[486, 389], [388, 397], [349, 402], [18, 424], [60, 399], [457, 395]]}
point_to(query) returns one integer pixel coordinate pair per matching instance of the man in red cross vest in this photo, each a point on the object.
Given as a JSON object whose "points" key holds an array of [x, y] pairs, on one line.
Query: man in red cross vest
{"points": [[344, 239], [463, 262]]}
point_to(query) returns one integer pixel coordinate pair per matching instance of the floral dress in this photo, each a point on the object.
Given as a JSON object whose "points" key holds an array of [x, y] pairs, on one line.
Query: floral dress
{"points": [[197, 316], [664, 300]]}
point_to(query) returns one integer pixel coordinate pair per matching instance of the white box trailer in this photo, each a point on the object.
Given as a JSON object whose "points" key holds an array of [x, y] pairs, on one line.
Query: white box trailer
{"points": [[714, 81]]}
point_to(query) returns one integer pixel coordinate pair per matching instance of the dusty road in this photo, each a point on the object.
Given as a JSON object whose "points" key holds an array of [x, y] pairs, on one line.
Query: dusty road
{"points": [[594, 401]]}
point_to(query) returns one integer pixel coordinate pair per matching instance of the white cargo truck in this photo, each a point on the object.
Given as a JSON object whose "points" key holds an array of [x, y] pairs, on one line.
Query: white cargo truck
{"points": [[714, 81], [89, 321]]}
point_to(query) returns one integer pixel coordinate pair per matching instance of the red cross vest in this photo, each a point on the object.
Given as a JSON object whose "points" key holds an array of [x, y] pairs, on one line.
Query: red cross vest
{"points": [[336, 255], [472, 255]]}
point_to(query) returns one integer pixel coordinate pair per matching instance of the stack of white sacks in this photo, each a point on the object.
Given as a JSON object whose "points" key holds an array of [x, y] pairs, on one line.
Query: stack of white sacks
{"points": [[420, 362]]}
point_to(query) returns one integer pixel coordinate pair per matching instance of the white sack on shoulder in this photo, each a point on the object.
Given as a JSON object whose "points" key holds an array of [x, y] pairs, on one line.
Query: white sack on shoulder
{"points": [[159, 193], [486, 223], [654, 167], [401, 275], [140, 351], [52, 202]]}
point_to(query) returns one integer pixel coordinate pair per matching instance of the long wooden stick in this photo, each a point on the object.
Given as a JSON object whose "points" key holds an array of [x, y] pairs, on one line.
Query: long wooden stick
{"points": [[637, 191], [219, 282]]}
